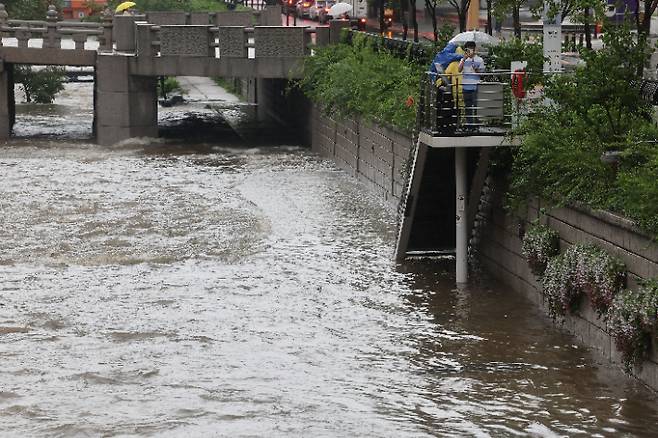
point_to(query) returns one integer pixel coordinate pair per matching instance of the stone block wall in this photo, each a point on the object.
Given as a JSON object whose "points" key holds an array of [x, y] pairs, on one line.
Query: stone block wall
{"points": [[126, 106], [374, 154], [501, 258]]}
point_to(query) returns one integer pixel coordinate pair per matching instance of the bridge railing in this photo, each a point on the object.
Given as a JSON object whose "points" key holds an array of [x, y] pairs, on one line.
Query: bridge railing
{"points": [[223, 41], [51, 31]]}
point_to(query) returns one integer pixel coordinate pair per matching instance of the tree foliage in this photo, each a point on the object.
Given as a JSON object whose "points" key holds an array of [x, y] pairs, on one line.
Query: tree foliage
{"points": [[39, 86], [359, 80], [29, 9]]}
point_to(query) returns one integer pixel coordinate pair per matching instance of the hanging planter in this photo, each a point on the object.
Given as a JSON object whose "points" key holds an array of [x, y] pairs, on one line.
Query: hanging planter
{"points": [[583, 270], [633, 316], [540, 243]]}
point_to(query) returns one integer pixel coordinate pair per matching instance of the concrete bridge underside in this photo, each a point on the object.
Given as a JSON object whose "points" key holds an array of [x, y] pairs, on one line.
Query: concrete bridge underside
{"points": [[125, 98]]}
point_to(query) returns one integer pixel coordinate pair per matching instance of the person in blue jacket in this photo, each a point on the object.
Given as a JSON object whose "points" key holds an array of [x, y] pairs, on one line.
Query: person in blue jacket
{"points": [[447, 112], [443, 59]]}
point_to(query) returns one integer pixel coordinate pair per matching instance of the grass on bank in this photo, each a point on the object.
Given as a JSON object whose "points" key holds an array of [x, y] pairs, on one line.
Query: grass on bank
{"points": [[349, 80]]}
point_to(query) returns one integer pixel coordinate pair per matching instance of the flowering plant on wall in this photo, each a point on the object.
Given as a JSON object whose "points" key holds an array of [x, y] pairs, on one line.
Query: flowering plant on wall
{"points": [[540, 243], [633, 316], [582, 270]]}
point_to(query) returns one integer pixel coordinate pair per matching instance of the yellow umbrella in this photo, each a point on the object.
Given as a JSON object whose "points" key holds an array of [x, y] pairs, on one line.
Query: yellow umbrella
{"points": [[125, 5]]}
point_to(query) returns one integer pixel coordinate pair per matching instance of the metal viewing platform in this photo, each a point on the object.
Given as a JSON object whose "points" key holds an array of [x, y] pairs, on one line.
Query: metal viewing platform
{"points": [[452, 158]]}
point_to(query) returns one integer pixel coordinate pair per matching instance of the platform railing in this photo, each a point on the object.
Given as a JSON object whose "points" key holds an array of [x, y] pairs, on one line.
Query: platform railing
{"points": [[502, 98]]}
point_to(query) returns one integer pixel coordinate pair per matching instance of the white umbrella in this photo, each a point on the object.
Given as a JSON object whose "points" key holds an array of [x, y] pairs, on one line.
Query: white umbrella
{"points": [[480, 38], [338, 9]]}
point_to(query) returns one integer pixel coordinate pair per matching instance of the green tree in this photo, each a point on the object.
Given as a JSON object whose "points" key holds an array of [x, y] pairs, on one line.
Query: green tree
{"points": [[504, 7], [595, 110], [461, 8], [39, 86], [29, 9]]}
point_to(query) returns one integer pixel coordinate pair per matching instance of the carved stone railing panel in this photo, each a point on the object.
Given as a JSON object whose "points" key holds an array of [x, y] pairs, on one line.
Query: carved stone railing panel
{"points": [[166, 18], [281, 42], [200, 18], [235, 18], [232, 42], [185, 40]]}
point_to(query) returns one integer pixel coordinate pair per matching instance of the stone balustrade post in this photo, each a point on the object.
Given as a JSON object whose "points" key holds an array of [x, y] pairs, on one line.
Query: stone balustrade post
{"points": [[336, 27], [322, 35], [108, 27], [51, 40], [79, 40], [144, 39], [124, 33]]}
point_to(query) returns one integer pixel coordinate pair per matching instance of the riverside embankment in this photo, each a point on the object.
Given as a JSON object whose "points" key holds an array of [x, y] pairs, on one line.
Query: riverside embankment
{"points": [[378, 156]]}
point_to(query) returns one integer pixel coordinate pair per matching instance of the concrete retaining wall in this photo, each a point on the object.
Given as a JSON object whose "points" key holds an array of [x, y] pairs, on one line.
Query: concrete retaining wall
{"points": [[500, 255], [374, 154]]}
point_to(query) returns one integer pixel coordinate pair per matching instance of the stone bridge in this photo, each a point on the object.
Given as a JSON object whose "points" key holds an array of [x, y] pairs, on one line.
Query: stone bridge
{"points": [[129, 53]]}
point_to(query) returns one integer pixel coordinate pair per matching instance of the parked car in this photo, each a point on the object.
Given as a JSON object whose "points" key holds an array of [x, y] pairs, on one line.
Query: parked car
{"points": [[322, 13], [314, 10], [303, 8], [358, 24], [289, 7]]}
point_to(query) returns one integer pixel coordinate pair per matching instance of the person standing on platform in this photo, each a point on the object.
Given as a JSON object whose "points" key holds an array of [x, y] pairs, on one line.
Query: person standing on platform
{"points": [[471, 66]]}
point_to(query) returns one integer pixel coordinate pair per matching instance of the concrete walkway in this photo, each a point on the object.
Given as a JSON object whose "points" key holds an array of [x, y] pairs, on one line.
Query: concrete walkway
{"points": [[204, 89]]}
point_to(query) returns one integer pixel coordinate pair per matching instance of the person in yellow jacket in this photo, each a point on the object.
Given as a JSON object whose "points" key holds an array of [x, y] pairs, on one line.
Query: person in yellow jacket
{"points": [[451, 96], [454, 76]]}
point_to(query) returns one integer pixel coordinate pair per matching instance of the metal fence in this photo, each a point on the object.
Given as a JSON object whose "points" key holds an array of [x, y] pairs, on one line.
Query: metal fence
{"points": [[448, 107]]}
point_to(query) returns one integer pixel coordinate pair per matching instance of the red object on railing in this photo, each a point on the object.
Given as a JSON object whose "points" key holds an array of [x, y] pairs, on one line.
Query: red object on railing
{"points": [[519, 79]]}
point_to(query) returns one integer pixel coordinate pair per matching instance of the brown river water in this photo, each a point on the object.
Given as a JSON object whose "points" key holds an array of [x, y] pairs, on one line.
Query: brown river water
{"points": [[235, 286]]}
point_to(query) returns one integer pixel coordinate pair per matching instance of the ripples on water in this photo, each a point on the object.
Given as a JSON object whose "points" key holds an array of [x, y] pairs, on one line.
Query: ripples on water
{"points": [[158, 289]]}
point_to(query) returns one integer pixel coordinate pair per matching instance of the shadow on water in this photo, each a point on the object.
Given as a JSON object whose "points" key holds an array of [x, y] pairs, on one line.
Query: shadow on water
{"points": [[231, 125], [194, 126]]}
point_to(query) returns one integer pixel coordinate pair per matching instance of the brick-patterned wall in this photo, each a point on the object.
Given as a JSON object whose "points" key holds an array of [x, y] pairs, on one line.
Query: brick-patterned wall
{"points": [[374, 154], [500, 255]]}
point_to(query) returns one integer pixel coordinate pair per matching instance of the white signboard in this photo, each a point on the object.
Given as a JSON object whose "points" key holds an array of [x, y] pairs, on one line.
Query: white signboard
{"points": [[552, 40]]}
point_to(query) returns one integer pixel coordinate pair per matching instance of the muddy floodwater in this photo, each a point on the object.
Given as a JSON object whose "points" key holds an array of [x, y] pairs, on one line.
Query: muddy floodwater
{"points": [[231, 284]]}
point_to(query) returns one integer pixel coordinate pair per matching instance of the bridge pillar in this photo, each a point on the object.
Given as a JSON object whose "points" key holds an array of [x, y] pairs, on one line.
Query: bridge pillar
{"points": [[7, 107], [126, 106]]}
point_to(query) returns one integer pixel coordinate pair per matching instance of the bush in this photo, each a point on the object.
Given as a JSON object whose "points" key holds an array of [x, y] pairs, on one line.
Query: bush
{"points": [[169, 85], [540, 243], [516, 49], [583, 270], [598, 109], [357, 80], [633, 317], [40, 86]]}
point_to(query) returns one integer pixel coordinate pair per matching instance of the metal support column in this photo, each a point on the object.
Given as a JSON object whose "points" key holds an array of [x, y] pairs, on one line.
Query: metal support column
{"points": [[461, 237]]}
